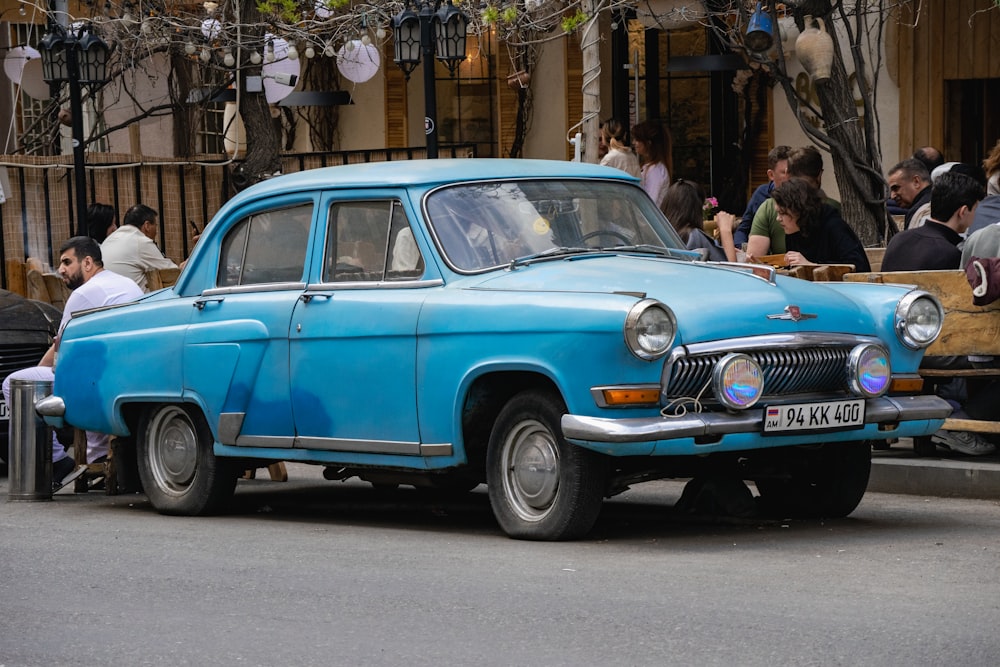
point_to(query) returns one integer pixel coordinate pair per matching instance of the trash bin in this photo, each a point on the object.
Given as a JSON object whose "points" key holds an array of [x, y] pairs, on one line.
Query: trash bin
{"points": [[30, 470]]}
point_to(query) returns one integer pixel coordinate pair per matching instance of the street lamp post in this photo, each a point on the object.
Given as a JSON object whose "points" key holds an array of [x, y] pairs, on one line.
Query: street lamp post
{"points": [[77, 59], [439, 29]]}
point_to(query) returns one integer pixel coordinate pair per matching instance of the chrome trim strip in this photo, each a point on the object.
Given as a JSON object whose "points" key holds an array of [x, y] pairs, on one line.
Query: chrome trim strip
{"points": [[801, 339], [438, 449], [230, 425], [647, 429], [598, 393], [245, 289], [363, 446], [753, 269], [374, 284], [270, 441]]}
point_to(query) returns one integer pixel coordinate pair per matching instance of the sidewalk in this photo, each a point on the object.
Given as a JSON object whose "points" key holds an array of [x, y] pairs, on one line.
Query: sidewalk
{"points": [[898, 470]]}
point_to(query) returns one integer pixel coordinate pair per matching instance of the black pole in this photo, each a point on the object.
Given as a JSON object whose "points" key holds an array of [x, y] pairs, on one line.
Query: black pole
{"points": [[79, 163], [430, 80]]}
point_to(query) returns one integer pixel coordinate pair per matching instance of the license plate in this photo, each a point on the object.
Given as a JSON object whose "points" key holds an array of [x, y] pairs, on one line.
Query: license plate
{"points": [[814, 416], [3, 409]]}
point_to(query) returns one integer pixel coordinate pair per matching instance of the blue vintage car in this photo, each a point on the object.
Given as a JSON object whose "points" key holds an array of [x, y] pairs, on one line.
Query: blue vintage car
{"points": [[533, 325]]}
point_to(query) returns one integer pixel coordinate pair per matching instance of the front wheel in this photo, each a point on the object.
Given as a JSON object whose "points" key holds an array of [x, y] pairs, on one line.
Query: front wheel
{"points": [[540, 486], [178, 469], [822, 482]]}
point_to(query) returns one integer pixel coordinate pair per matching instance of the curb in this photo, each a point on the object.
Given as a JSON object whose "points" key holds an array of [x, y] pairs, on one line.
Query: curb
{"points": [[903, 472]]}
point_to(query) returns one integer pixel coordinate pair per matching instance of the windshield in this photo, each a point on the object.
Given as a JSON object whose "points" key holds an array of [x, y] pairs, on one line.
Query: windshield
{"points": [[485, 225]]}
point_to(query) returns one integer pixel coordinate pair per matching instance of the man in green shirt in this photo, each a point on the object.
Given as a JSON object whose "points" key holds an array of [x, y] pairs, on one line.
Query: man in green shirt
{"points": [[766, 235]]}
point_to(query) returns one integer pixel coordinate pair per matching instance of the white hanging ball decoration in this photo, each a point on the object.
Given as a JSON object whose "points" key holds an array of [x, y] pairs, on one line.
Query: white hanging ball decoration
{"points": [[358, 62], [329, 51], [205, 55], [269, 56], [310, 52], [380, 34], [255, 58], [211, 28], [228, 60], [293, 53], [366, 40], [189, 48], [147, 27]]}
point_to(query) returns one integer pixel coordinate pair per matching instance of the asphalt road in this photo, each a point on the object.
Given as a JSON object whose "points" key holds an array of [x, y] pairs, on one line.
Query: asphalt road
{"points": [[311, 572]]}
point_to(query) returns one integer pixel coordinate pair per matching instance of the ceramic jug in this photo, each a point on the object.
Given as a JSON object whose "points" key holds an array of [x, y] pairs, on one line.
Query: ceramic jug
{"points": [[815, 48]]}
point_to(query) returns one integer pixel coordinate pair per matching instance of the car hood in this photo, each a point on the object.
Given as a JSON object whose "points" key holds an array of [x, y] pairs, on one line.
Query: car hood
{"points": [[19, 314], [715, 301]]}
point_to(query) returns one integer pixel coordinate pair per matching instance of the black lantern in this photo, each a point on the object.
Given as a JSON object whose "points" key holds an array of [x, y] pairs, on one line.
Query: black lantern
{"points": [[75, 58], [53, 51], [451, 27], [406, 29], [438, 29]]}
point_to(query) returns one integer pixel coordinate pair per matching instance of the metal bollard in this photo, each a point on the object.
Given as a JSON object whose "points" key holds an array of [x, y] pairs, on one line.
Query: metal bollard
{"points": [[30, 470]]}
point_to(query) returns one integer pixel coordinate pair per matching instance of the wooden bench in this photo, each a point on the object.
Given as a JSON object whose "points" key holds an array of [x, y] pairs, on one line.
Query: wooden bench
{"points": [[967, 330]]}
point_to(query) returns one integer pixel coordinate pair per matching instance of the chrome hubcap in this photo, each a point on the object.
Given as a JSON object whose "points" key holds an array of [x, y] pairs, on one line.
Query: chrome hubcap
{"points": [[173, 450], [531, 470]]}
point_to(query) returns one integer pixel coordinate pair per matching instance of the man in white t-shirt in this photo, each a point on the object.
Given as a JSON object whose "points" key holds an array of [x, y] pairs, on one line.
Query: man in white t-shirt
{"points": [[82, 268], [131, 249]]}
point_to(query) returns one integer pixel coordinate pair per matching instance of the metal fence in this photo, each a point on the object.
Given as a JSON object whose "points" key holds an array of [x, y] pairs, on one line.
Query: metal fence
{"points": [[37, 214]]}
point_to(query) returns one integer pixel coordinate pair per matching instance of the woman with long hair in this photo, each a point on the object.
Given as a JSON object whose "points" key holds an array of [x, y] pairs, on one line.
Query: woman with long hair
{"points": [[991, 165], [682, 204], [654, 146], [614, 138], [814, 231], [101, 221]]}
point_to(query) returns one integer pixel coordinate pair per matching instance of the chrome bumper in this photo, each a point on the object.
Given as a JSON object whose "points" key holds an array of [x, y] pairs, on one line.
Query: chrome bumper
{"points": [[52, 409], [647, 429]]}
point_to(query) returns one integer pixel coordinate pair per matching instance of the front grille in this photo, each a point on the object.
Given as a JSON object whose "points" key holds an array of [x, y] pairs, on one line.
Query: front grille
{"points": [[16, 357], [796, 364]]}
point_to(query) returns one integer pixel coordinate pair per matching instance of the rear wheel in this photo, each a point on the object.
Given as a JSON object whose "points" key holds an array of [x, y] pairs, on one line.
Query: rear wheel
{"points": [[826, 481], [178, 469], [540, 486]]}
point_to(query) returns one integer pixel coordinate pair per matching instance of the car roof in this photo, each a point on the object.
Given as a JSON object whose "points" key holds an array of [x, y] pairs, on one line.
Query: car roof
{"points": [[426, 173]]}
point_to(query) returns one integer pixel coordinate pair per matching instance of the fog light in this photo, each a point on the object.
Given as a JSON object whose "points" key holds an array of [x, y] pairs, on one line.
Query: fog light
{"points": [[868, 371], [738, 381]]}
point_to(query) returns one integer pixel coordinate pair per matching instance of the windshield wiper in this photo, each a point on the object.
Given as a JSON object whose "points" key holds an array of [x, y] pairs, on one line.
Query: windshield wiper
{"points": [[649, 248], [551, 253]]}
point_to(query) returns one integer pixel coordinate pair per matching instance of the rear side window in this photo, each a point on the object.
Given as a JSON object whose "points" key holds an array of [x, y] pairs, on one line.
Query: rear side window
{"points": [[370, 241], [266, 247]]}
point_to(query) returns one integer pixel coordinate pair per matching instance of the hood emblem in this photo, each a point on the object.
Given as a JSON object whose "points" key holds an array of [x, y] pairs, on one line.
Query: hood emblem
{"points": [[793, 313]]}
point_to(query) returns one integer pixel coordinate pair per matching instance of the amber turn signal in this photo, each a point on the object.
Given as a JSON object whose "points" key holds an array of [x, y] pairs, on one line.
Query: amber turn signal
{"points": [[631, 396]]}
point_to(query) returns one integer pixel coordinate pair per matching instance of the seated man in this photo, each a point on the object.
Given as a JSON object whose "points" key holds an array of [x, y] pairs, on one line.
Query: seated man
{"points": [[934, 245], [777, 173], [131, 249], [766, 233], [81, 266]]}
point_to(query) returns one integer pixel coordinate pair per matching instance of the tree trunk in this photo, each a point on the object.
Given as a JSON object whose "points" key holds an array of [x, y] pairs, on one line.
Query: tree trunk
{"points": [[861, 191], [263, 158]]}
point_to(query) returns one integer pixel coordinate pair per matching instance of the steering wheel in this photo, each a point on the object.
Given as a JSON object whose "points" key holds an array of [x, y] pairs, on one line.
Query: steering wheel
{"points": [[606, 232]]}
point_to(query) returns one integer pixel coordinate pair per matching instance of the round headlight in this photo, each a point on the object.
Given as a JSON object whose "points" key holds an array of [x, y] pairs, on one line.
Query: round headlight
{"points": [[738, 381], [650, 329], [868, 370], [919, 317]]}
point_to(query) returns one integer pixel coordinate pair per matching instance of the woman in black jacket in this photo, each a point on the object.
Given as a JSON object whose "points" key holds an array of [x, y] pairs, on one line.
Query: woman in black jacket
{"points": [[814, 231]]}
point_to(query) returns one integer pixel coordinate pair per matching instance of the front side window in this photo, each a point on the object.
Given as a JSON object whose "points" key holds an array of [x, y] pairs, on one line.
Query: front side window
{"points": [[266, 247], [370, 241]]}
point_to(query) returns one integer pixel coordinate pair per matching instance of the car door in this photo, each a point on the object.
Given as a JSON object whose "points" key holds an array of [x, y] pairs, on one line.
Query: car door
{"points": [[236, 347], [353, 341]]}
